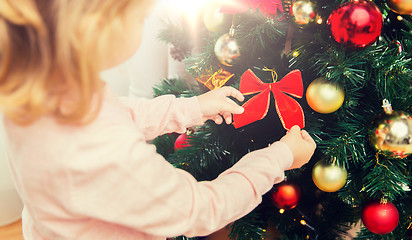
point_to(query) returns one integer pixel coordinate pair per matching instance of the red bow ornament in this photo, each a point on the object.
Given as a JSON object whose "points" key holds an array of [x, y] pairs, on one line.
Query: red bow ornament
{"points": [[267, 7], [289, 111]]}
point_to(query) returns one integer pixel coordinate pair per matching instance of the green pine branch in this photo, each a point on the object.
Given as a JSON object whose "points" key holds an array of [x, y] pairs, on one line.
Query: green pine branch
{"points": [[176, 33], [175, 86]]}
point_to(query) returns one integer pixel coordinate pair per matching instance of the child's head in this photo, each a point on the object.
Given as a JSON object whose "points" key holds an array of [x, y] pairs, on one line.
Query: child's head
{"points": [[51, 53]]}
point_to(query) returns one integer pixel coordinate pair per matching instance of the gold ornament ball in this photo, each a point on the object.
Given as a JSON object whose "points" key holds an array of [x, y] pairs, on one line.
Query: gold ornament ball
{"points": [[324, 97], [329, 177], [227, 50], [303, 12], [402, 7], [391, 134], [213, 19]]}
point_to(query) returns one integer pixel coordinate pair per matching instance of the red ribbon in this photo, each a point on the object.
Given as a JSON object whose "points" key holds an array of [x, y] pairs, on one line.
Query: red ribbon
{"points": [[267, 7], [289, 111]]}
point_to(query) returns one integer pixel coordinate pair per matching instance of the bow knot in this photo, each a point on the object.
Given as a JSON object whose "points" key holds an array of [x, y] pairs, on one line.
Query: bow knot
{"points": [[289, 111], [267, 7]]}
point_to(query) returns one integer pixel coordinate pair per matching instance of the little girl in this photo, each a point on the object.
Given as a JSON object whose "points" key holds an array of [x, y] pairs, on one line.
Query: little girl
{"points": [[80, 157]]}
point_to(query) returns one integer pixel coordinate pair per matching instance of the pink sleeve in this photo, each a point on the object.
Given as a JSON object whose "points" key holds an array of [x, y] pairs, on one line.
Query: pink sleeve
{"points": [[164, 114], [122, 180]]}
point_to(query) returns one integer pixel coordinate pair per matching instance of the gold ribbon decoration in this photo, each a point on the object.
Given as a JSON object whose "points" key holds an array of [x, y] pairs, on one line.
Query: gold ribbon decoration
{"points": [[216, 80]]}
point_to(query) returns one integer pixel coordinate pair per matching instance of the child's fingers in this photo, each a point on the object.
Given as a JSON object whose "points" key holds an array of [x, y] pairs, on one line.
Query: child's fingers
{"points": [[218, 119], [228, 117], [230, 91], [307, 137], [231, 107], [295, 129]]}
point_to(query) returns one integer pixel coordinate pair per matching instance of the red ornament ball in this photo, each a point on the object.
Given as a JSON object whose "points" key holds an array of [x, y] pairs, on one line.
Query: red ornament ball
{"points": [[380, 218], [286, 195], [356, 24], [182, 141]]}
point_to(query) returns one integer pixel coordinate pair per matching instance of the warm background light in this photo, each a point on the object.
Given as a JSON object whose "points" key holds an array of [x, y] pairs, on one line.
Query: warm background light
{"points": [[192, 8]]}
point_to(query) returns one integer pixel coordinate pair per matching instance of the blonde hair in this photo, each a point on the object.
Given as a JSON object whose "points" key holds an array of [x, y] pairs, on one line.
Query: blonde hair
{"points": [[49, 57]]}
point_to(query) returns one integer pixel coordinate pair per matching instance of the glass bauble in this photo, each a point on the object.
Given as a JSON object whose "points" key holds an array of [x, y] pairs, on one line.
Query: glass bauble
{"points": [[391, 134], [303, 12], [213, 19], [286, 195], [227, 50], [323, 96], [329, 177], [356, 24], [380, 218]]}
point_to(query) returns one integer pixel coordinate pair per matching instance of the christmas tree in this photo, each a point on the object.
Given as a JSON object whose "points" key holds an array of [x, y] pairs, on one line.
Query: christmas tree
{"points": [[342, 71]]}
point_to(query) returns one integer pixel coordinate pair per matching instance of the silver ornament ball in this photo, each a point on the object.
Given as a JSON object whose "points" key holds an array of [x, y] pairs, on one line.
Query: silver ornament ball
{"points": [[303, 12], [227, 50], [391, 134]]}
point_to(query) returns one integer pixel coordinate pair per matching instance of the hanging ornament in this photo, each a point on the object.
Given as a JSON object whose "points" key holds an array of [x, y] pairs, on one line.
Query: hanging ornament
{"points": [[400, 48], [403, 7], [391, 132], [303, 12], [256, 108], [213, 19], [182, 141], [286, 195], [329, 177], [227, 50], [356, 24], [270, 8], [380, 217], [323, 96], [216, 80]]}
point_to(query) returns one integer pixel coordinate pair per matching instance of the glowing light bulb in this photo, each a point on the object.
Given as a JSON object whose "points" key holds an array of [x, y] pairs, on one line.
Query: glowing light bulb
{"points": [[295, 54]]}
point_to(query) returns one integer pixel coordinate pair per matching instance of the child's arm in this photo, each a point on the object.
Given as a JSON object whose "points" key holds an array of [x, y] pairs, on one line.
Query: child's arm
{"points": [[167, 114], [129, 184], [164, 114]]}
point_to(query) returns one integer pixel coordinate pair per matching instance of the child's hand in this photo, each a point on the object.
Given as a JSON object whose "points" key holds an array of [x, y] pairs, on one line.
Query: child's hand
{"points": [[216, 104], [301, 144]]}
